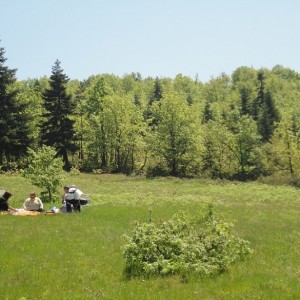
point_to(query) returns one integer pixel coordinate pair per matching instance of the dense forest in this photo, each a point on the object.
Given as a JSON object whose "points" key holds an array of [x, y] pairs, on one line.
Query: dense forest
{"points": [[241, 126]]}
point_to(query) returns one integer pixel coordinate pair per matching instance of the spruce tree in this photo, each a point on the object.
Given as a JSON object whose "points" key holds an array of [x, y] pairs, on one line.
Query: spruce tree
{"points": [[157, 91], [207, 114], [57, 129], [14, 121], [156, 95], [259, 100], [270, 117], [245, 101], [265, 112]]}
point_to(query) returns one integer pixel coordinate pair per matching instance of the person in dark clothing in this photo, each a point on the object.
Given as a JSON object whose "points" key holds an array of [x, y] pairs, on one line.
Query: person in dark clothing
{"points": [[4, 206]]}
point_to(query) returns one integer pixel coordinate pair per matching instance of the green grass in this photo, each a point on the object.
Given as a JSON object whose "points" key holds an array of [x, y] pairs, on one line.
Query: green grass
{"points": [[79, 256]]}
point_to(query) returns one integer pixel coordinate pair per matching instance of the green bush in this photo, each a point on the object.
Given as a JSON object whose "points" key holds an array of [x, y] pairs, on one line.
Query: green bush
{"points": [[184, 246]]}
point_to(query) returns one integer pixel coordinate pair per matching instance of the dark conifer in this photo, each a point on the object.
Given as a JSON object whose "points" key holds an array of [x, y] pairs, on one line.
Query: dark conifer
{"points": [[264, 111], [57, 130], [244, 101], [157, 93], [207, 114], [259, 100], [14, 121]]}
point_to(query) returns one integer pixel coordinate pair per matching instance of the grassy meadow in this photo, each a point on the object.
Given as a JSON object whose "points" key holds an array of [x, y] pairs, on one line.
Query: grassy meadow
{"points": [[79, 256]]}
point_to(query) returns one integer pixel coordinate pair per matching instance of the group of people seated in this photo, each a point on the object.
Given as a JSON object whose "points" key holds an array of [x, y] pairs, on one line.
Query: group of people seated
{"points": [[32, 203], [70, 201]]}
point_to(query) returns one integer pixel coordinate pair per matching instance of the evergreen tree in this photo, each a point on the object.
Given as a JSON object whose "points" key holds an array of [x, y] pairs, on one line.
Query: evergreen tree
{"points": [[264, 111], [207, 114], [14, 129], [57, 129], [244, 101], [270, 117], [157, 92], [156, 95]]}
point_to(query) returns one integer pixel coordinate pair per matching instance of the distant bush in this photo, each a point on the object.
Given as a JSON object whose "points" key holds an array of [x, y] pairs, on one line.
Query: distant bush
{"points": [[74, 171], [157, 171], [280, 179], [184, 246]]}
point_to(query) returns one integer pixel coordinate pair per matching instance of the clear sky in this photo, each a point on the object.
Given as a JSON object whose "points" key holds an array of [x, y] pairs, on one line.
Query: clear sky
{"points": [[157, 38]]}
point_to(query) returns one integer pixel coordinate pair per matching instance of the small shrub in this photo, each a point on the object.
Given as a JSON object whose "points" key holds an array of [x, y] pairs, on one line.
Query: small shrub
{"points": [[98, 171], [74, 171], [183, 246], [157, 171], [280, 179]]}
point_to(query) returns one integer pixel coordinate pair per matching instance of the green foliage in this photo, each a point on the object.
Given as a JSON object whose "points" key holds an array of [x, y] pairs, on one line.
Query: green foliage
{"points": [[162, 126], [177, 135], [286, 146], [218, 160], [44, 171], [117, 128], [184, 246]]}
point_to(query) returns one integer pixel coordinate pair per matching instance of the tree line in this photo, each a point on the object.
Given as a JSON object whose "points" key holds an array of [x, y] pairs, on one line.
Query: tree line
{"points": [[240, 126]]}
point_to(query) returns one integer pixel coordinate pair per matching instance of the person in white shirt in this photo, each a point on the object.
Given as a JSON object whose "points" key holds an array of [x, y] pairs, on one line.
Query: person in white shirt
{"points": [[73, 199], [33, 203]]}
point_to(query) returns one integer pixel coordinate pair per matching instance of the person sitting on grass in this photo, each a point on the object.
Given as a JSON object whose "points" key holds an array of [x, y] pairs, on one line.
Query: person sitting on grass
{"points": [[33, 203], [4, 206], [64, 198]]}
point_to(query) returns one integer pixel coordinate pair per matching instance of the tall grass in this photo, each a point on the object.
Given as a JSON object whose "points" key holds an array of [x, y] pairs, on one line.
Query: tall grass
{"points": [[79, 256]]}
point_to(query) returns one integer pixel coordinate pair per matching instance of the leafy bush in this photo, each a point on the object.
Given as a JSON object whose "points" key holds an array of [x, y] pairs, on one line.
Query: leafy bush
{"points": [[182, 245], [74, 171], [157, 170], [45, 171]]}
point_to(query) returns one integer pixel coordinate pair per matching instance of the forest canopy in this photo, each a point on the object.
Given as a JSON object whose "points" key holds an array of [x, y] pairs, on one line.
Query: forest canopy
{"points": [[240, 126]]}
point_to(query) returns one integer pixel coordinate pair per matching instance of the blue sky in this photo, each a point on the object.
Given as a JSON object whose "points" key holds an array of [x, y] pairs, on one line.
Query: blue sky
{"points": [[157, 38]]}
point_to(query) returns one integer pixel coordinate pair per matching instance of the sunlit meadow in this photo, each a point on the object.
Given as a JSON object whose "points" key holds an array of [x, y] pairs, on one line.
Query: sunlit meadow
{"points": [[79, 256]]}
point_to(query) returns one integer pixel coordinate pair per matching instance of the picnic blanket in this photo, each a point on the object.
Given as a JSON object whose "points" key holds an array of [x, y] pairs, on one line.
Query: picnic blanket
{"points": [[23, 212], [26, 213]]}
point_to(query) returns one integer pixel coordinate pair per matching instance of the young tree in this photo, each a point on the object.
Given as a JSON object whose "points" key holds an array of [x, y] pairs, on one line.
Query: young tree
{"points": [[14, 129], [44, 171], [57, 129]]}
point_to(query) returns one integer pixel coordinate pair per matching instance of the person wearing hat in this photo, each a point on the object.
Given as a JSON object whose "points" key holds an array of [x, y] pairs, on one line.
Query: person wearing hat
{"points": [[33, 203], [73, 199], [4, 206]]}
